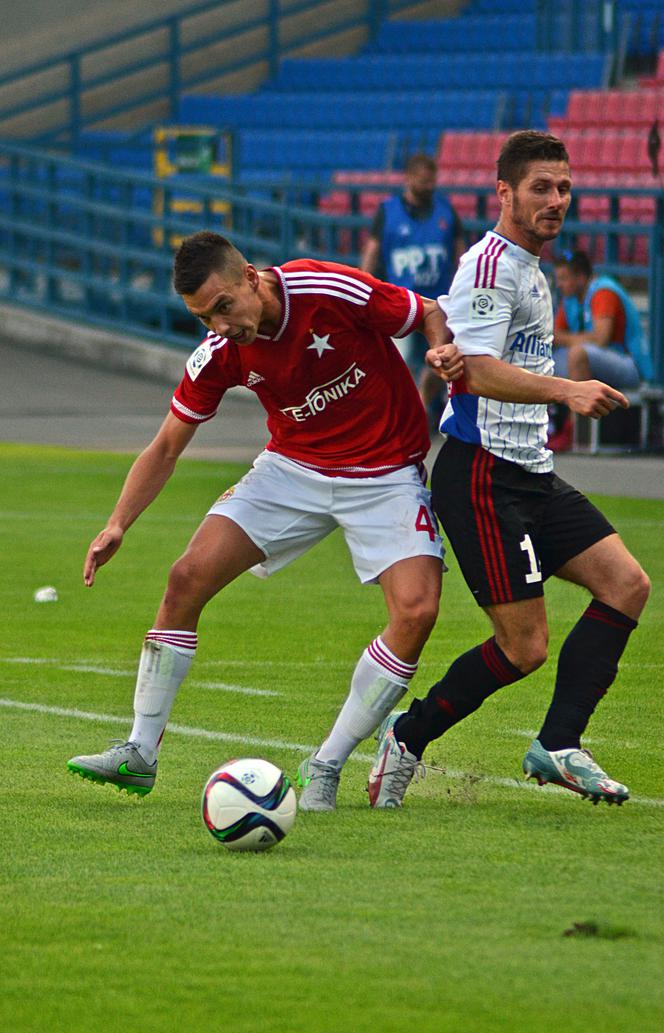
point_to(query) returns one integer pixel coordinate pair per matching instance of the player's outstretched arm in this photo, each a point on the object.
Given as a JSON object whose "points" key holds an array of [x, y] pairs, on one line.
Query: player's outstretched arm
{"points": [[144, 481], [493, 378]]}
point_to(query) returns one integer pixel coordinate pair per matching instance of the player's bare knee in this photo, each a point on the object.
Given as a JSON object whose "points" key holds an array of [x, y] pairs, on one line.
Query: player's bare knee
{"points": [[526, 652], [179, 578], [532, 660], [626, 588], [631, 592], [417, 612], [640, 587], [188, 585]]}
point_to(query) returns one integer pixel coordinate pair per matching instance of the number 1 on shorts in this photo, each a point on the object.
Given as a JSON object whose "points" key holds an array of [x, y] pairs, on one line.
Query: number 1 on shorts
{"points": [[535, 574]]}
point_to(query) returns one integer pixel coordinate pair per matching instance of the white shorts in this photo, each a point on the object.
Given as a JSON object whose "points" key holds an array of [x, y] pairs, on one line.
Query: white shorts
{"points": [[286, 508]]}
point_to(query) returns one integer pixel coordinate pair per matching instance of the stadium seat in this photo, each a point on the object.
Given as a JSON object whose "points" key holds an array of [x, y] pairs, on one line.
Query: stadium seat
{"points": [[586, 108]]}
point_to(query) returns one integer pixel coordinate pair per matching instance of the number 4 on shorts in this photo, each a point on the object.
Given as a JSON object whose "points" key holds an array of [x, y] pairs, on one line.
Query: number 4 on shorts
{"points": [[424, 522]]}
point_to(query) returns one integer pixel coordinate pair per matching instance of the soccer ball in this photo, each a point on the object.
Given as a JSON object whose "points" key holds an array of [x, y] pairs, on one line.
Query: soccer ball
{"points": [[248, 804]]}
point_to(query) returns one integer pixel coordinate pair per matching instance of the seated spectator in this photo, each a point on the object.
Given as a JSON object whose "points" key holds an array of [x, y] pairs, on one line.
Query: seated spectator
{"points": [[597, 335]]}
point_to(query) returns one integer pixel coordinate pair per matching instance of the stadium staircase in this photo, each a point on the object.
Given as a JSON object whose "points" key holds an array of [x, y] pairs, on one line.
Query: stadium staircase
{"points": [[334, 133]]}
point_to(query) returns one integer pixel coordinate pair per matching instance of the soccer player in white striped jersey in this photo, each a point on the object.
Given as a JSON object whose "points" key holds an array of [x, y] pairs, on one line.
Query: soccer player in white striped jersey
{"points": [[313, 340], [511, 521]]}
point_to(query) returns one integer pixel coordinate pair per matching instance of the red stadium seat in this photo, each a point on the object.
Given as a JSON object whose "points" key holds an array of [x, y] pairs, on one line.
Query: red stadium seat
{"points": [[585, 108], [614, 108], [369, 201], [589, 148], [465, 205], [594, 209], [336, 202], [652, 107], [450, 153], [558, 126], [637, 209], [632, 110], [610, 151], [659, 74], [369, 177], [574, 144], [453, 177]]}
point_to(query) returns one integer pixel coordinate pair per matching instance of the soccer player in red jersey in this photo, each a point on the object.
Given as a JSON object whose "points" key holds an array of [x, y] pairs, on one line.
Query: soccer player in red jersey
{"points": [[348, 438]]}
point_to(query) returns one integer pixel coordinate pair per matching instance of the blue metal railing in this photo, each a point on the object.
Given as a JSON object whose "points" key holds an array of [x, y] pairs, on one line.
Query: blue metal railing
{"points": [[95, 244], [175, 47]]}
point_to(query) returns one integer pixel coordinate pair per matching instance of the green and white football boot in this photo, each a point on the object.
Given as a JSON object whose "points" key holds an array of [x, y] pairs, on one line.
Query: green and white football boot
{"points": [[121, 765]]}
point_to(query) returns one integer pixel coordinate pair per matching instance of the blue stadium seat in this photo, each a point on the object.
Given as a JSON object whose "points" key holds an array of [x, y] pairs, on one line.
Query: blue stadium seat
{"points": [[452, 35], [313, 151], [375, 109], [505, 6]]}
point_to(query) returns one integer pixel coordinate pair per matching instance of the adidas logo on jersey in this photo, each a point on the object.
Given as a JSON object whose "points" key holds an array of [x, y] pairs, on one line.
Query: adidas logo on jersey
{"points": [[254, 378]]}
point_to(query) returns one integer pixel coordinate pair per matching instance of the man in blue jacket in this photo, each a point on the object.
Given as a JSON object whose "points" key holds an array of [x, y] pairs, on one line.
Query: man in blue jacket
{"points": [[415, 242]]}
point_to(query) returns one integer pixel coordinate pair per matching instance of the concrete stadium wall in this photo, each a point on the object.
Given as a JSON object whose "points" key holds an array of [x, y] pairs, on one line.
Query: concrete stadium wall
{"points": [[105, 348]]}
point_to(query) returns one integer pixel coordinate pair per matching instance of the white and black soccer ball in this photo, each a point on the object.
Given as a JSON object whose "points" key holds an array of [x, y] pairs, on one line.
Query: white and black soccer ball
{"points": [[248, 804]]}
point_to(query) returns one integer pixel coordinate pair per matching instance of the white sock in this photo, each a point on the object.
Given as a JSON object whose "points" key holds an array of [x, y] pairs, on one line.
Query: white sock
{"points": [[165, 660], [378, 683]]}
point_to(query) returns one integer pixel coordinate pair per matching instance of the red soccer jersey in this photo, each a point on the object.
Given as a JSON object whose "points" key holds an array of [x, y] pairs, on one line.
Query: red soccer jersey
{"points": [[338, 395]]}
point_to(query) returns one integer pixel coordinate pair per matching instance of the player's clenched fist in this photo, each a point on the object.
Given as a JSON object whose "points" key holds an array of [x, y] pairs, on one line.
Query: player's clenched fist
{"points": [[102, 548], [446, 360]]}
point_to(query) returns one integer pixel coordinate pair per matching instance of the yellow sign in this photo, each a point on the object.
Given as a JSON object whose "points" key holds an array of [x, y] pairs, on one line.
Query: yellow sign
{"points": [[190, 150]]}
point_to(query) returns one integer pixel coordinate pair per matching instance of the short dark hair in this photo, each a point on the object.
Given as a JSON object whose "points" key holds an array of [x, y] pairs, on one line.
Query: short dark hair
{"points": [[420, 161], [201, 254], [523, 147], [577, 262]]}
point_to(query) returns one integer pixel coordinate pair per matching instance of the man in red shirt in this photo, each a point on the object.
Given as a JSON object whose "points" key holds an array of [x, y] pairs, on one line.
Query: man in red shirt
{"points": [[348, 437]]}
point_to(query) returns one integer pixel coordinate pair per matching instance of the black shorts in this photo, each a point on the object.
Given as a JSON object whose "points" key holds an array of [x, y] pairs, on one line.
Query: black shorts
{"points": [[510, 529]]}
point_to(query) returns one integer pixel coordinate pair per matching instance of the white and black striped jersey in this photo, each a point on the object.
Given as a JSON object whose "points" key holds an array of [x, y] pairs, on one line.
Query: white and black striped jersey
{"points": [[499, 304]]}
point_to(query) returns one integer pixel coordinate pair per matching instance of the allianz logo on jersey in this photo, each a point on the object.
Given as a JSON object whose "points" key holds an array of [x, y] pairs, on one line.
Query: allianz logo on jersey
{"points": [[319, 398], [531, 345]]}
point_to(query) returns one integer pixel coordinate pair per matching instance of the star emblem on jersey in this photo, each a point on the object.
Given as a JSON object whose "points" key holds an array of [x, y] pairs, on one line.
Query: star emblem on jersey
{"points": [[320, 344]]}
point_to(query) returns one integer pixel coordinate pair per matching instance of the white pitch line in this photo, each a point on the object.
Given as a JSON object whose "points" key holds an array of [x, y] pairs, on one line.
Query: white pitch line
{"points": [[294, 664], [176, 729], [221, 686], [296, 747], [28, 660], [114, 672]]}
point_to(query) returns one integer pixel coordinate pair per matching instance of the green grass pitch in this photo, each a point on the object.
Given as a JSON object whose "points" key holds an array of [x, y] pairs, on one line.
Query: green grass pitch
{"points": [[446, 917]]}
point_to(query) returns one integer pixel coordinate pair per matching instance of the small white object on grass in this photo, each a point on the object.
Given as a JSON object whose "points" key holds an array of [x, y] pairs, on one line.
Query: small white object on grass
{"points": [[47, 594]]}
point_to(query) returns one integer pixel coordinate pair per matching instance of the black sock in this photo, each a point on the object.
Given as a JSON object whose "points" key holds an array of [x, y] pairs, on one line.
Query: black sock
{"points": [[587, 666], [471, 678]]}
